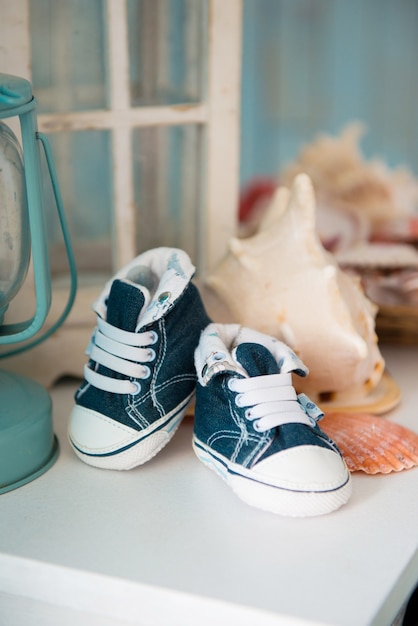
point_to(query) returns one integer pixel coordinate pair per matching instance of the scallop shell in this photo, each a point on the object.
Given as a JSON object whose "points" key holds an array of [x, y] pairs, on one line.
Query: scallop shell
{"points": [[372, 444]]}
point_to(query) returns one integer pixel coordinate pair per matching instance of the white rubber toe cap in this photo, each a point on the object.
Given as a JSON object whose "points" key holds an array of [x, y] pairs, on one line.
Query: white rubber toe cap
{"points": [[303, 468], [94, 433]]}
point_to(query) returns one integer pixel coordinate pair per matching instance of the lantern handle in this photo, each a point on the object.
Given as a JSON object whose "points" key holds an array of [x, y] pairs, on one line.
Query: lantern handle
{"points": [[70, 256]]}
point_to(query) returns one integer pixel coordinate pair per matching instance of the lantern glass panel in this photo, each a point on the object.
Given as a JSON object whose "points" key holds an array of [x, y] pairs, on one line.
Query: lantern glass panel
{"points": [[14, 220]]}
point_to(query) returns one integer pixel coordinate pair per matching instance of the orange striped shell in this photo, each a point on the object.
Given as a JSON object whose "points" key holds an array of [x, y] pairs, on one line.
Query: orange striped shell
{"points": [[372, 444]]}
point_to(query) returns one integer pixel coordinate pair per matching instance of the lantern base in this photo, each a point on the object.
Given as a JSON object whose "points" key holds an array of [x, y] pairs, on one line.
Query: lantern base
{"points": [[28, 446]]}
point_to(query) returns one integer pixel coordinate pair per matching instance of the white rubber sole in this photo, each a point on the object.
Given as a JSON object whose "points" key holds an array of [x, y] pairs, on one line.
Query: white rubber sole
{"points": [[104, 443], [273, 498]]}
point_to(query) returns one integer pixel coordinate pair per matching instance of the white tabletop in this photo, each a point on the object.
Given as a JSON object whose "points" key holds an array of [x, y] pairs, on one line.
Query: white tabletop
{"points": [[169, 543]]}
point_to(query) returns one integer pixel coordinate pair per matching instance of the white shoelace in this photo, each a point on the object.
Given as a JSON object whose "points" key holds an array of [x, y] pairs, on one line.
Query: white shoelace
{"points": [[123, 352], [272, 401]]}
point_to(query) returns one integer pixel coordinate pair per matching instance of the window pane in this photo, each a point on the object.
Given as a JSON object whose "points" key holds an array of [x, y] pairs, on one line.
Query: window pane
{"points": [[168, 196], [83, 162], [68, 54], [166, 39]]}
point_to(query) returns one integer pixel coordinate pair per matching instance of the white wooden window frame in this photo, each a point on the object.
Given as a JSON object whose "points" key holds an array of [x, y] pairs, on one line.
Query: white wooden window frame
{"points": [[218, 114]]}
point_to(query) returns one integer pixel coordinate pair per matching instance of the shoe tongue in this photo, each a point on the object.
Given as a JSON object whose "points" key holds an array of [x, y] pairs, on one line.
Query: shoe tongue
{"points": [[256, 359], [124, 305]]}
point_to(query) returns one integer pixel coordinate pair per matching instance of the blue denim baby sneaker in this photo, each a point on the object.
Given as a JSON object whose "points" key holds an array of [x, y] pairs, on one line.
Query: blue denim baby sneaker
{"points": [[141, 376], [253, 430]]}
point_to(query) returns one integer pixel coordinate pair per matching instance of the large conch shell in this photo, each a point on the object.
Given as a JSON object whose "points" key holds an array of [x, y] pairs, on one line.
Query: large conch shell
{"points": [[281, 281]]}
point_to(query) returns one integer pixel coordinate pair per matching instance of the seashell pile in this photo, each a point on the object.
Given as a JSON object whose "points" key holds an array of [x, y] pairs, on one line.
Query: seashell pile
{"points": [[345, 181], [372, 444], [282, 281]]}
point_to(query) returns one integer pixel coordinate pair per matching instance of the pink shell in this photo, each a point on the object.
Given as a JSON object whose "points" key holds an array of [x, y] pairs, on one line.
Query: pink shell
{"points": [[372, 444]]}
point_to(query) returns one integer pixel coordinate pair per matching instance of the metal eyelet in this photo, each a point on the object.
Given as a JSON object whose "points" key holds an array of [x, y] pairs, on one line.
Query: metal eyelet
{"points": [[256, 426], [231, 384], [147, 372], [137, 386], [164, 296], [151, 354], [239, 400], [154, 337]]}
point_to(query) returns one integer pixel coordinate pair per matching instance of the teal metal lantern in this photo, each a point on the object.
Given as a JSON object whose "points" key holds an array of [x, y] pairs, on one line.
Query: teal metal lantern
{"points": [[28, 446]]}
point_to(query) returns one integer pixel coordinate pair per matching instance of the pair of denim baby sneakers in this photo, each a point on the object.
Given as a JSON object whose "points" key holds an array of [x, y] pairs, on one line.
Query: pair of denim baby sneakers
{"points": [[154, 348]]}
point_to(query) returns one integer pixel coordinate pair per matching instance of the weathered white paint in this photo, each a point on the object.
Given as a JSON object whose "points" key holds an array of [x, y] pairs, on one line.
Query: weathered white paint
{"points": [[132, 118], [224, 77], [119, 104], [15, 43]]}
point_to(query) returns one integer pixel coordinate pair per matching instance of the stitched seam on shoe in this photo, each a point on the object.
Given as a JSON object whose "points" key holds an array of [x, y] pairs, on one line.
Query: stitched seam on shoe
{"points": [[245, 436], [158, 366], [136, 416], [267, 440], [242, 437], [168, 414], [174, 379], [146, 396], [257, 451], [82, 390], [221, 434]]}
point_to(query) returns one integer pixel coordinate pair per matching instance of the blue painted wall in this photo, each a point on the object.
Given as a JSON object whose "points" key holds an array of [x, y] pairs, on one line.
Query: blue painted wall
{"points": [[312, 66]]}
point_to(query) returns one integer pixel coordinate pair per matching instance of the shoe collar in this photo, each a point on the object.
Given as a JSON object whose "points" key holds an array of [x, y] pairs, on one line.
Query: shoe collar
{"points": [[285, 358], [213, 356], [216, 352], [174, 270]]}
